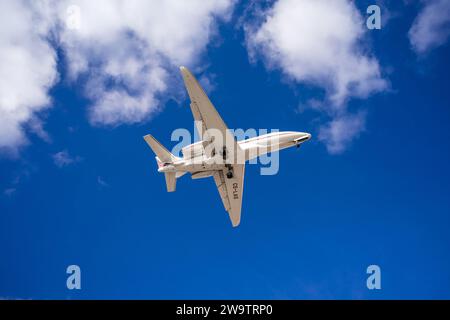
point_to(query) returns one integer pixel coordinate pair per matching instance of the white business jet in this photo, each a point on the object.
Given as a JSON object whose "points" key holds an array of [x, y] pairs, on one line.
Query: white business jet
{"points": [[218, 154]]}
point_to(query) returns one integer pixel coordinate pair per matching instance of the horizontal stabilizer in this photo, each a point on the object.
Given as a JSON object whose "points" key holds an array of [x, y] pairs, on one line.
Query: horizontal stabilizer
{"points": [[171, 181], [163, 154]]}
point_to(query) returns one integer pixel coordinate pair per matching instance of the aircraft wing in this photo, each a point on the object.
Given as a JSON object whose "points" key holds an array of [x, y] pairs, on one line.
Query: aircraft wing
{"points": [[231, 191], [205, 115]]}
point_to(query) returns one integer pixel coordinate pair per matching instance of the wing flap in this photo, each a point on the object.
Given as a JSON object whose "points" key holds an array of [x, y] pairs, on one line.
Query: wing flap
{"points": [[198, 119], [219, 179]]}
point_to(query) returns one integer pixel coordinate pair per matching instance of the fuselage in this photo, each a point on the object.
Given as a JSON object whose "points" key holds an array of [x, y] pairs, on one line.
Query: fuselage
{"points": [[199, 161], [219, 154]]}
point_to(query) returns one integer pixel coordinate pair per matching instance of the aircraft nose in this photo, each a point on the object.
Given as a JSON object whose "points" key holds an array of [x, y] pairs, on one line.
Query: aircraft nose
{"points": [[301, 137]]}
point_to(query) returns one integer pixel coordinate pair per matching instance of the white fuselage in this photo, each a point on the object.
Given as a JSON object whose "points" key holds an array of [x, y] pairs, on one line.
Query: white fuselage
{"points": [[218, 154], [198, 161]]}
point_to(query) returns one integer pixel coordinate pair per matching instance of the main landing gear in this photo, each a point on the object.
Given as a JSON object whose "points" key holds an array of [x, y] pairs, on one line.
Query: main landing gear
{"points": [[230, 174], [230, 171]]}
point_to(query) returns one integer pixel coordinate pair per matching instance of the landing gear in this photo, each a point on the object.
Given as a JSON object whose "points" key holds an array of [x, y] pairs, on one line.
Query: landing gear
{"points": [[224, 153], [230, 171]]}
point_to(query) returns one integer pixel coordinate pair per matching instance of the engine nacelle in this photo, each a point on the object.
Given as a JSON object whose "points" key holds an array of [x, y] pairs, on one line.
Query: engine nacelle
{"points": [[193, 150], [202, 174]]}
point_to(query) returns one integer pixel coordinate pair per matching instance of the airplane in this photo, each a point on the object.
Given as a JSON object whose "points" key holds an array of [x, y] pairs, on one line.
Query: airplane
{"points": [[218, 154]]}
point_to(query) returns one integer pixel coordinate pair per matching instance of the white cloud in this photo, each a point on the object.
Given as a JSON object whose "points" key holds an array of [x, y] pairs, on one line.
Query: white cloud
{"points": [[318, 42], [9, 192], [341, 131], [431, 28], [63, 159], [27, 71], [102, 182], [125, 51], [128, 49]]}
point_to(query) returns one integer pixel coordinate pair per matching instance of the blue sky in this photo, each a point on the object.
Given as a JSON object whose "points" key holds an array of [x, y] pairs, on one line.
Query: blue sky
{"points": [[79, 185]]}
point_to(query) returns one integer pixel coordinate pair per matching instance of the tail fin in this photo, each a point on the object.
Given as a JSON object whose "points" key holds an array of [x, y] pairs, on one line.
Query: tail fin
{"points": [[162, 153]]}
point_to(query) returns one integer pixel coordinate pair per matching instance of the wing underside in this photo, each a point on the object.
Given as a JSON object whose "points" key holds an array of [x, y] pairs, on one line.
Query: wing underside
{"points": [[231, 191]]}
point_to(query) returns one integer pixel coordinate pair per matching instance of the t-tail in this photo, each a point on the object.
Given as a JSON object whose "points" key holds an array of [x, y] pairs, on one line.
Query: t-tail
{"points": [[164, 158]]}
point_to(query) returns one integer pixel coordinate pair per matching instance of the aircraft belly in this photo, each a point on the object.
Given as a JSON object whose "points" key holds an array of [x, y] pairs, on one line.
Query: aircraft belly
{"points": [[203, 167]]}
